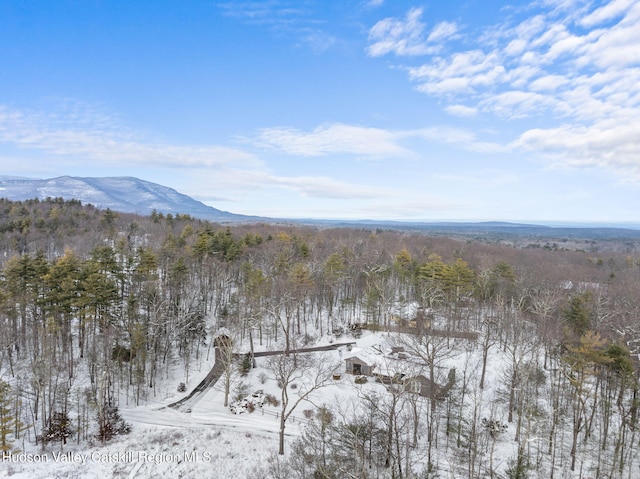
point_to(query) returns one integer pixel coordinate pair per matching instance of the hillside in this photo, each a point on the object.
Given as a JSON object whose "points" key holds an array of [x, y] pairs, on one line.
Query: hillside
{"points": [[125, 194], [133, 195]]}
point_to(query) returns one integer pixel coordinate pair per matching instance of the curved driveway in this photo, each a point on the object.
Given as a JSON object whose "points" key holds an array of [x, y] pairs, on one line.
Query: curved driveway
{"points": [[186, 403]]}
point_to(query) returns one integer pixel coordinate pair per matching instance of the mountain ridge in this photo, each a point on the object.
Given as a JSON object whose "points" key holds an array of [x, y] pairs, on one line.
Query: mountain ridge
{"points": [[119, 193], [129, 194]]}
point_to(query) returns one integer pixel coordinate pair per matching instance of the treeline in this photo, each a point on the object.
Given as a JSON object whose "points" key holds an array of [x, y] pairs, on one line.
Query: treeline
{"points": [[121, 299]]}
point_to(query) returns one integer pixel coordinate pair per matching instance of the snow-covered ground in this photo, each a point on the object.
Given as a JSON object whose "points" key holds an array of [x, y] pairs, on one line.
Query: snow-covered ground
{"points": [[210, 441]]}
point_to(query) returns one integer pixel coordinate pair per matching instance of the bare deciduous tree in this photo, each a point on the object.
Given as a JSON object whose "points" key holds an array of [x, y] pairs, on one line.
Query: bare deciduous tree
{"points": [[299, 375]]}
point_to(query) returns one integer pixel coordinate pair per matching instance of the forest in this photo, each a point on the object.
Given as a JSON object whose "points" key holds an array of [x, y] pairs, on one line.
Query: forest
{"points": [[97, 306]]}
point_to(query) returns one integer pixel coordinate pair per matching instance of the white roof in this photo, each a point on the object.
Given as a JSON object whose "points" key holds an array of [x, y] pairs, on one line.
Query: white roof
{"points": [[384, 362]]}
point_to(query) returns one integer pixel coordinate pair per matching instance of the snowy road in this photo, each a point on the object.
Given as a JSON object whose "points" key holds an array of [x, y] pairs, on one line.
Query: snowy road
{"points": [[209, 412], [266, 421]]}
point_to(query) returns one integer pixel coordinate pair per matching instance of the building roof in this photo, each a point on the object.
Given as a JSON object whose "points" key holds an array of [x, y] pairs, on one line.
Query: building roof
{"points": [[385, 362]]}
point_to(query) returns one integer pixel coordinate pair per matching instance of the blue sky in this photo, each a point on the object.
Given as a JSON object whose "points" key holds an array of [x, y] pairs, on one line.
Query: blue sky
{"points": [[458, 110]]}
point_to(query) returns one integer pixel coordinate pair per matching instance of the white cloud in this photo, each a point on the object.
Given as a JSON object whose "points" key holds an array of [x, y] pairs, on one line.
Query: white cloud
{"points": [[520, 104], [548, 83], [520, 76], [461, 110], [324, 187], [606, 12], [87, 139], [233, 182], [319, 41], [529, 28], [617, 46], [335, 138], [446, 85], [516, 47], [562, 44], [460, 138], [442, 31], [298, 20], [83, 140], [271, 12], [366, 142], [570, 64], [607, 144], [462, 72], [566, 7], [404, 37]]}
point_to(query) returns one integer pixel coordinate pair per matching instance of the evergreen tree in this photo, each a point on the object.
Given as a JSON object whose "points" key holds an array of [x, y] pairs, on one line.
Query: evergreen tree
{"points": [[458, 280], [111, 424], [59, 427], [578, 314]]}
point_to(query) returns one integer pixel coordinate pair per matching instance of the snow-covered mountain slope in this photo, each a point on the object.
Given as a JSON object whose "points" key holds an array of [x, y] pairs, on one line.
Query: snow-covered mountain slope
{"points": [[125, 194]]}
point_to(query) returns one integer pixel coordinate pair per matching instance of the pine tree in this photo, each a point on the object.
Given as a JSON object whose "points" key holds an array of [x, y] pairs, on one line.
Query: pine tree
{"points": [[59, 428], [584, 360], [111, 424], [578, 314]]}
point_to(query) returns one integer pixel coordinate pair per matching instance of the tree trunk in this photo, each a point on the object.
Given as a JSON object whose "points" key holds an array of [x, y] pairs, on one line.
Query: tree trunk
{"points": [[281, 434]]}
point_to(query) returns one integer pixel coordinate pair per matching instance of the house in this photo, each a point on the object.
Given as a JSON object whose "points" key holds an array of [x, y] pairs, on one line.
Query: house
{"points": [[372, 361], [424, 387], [361, 363], [387, 367]]}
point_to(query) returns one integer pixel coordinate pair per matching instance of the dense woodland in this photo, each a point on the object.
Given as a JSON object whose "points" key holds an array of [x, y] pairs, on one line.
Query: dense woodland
{"points": [[119, 299]]}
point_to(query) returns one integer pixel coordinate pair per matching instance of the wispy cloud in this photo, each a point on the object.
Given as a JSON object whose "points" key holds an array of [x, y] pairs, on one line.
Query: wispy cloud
{"points": [[299, 20], [443, 31], [238, 181], [327, 188], [460, 138], [271, 12], [318, 40], [93, 138], [568, 64], [335, 138], [366, 142], [374, 3], [407, 36], [83, 137], [463, 72]]}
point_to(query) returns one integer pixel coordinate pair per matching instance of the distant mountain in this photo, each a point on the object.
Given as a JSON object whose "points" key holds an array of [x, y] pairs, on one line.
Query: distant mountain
{"points": [[125, 194], [132, 195], [517, 234]]}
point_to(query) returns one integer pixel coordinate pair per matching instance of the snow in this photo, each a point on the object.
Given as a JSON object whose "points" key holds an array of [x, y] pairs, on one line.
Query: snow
{"points": [[156, 451], [212, 441], [125, 194]]}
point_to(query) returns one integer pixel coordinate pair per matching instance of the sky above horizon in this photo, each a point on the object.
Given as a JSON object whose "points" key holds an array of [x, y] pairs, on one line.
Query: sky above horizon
{"points": [[359, 109]]}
